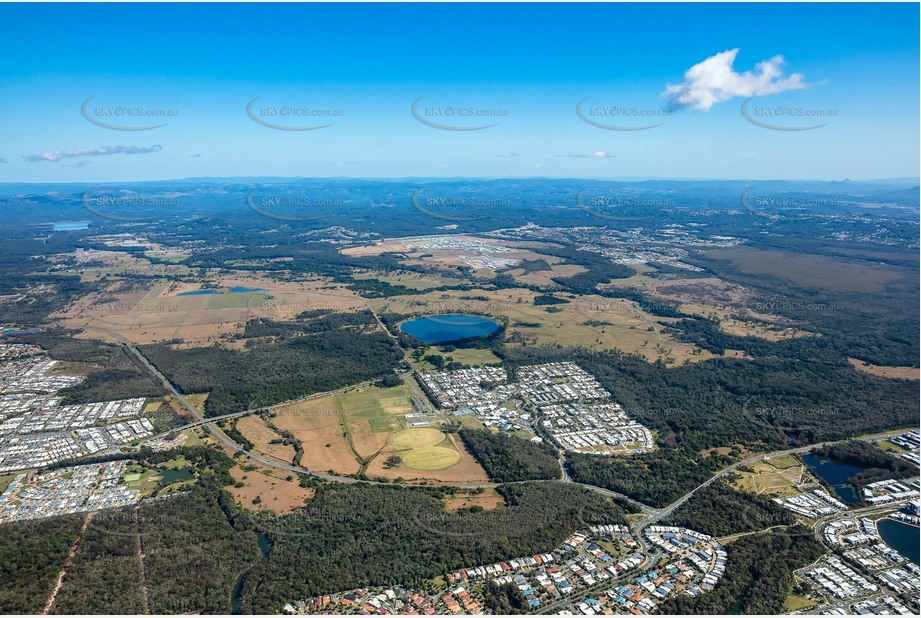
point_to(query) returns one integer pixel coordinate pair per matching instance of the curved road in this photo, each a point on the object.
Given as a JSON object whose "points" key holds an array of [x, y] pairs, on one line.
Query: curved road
{"points": [[652, 514], [219, 435]]}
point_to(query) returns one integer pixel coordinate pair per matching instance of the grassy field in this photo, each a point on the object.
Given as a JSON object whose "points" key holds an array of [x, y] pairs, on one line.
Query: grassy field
{"points": [[370, 414], [590, 321], [473, 356], [198, 401], [412, 280], [777, 476], [260, 434], [796, 603], [316, 423], [488, 499], [145, 482], [744, 328], [811, 271], [175, 464], [268, 488], [886, 445], [902, 373], [160, 312], [424, 449], [5, 481]]}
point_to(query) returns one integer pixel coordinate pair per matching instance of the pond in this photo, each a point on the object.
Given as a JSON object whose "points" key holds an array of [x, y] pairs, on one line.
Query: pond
{"points": [[900, 537], [176, 475], [199, 292], [69, 226], [448, 328], [237, 289], [835, 474]]}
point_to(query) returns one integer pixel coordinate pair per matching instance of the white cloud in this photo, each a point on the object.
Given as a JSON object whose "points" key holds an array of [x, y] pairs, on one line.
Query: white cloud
{"points": [[509, 155], [91, 151], [598, 154], [714, 81]]}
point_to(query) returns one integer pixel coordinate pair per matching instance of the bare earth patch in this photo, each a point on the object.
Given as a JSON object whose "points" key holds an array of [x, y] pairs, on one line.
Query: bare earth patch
{"points": [[902, 373], [272, 490], [489, 499], [260, 434], [316, 423]]}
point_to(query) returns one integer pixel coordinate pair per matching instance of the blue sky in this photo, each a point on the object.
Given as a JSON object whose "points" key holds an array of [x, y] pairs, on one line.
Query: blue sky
{"points": [[686, 67]]}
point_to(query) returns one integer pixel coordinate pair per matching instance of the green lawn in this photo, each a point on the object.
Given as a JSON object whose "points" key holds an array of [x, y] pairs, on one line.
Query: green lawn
{"points": [[367, 402], [179, 462], [474, 356], [886, 445], [385, 424], [145, 482], [234, 300], [5, 481]]}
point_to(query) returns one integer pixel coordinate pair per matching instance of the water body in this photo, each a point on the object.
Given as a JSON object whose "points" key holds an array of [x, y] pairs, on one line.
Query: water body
{"points": [[69, 226], [901, 537], [236, 598], [835, 474], [176, 475], [234, 290], [198, 292], [451, 327], [17, 331]]}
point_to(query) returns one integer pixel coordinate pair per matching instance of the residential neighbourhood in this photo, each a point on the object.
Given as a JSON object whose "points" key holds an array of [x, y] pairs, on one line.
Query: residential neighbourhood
{"points": [[860, 574], [74, 489], [600, 570], [812, 504], [910, 442], [560, 400], [36, 430]]}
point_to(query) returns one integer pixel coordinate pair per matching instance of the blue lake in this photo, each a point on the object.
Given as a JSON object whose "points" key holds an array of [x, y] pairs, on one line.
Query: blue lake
{"points": [[451, 327], [239, 289], [68, 226], [900, 537], [835, 474]]}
